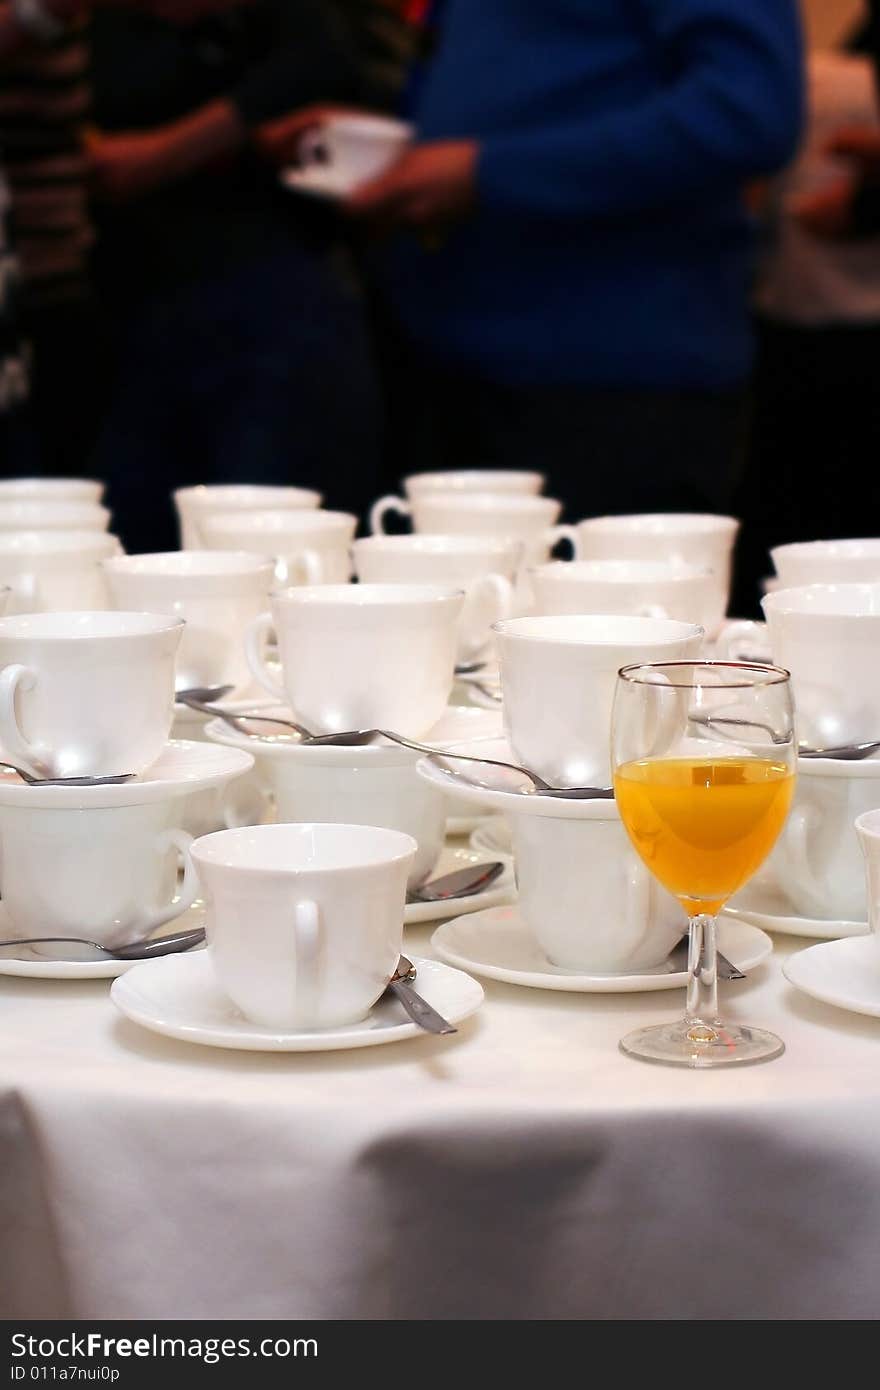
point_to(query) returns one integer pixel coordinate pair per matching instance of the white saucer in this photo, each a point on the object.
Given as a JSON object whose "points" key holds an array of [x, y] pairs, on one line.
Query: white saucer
{"points": [[492, 838], [26, 965], [844, 973], [498, 945], [501, 892], [768, 907], [179, 997], [318, 181], [184, 766]]}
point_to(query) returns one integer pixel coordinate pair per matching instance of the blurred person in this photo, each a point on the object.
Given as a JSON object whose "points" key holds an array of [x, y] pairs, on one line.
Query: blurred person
{"points": [[817, 379], [241, 342], [849, 204], [568, 286], [13, 372], [44, 103]]}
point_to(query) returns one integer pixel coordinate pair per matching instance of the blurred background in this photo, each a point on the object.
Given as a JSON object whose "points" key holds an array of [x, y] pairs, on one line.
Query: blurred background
{"points": [[646, 262]]}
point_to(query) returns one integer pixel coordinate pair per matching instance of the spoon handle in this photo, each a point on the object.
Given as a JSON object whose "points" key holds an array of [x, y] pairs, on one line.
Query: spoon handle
{"points": [[240, 721], [138, 950], [535, 780], [419, 1009]]}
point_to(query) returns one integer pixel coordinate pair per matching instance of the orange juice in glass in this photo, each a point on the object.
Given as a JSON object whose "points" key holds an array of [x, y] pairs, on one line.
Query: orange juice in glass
{"points": [[703, 812]]}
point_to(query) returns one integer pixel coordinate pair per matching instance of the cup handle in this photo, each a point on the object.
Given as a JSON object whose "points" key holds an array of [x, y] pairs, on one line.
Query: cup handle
{"points": [[180, 841], [385, 507], [500, 590], [794, 849], [305, 568], [743, 641], [308, 940], [255, 651], [565, 533], [12, 741]]}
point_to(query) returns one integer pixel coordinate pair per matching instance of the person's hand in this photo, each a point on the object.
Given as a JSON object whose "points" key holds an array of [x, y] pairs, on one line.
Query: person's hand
{"points": [[430, 187], [860, 144], [278, 141], [828, 212], [127, 166]]}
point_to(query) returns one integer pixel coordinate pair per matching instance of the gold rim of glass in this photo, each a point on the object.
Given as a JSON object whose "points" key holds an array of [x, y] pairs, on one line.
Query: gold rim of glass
{"points": [[773, 675]]}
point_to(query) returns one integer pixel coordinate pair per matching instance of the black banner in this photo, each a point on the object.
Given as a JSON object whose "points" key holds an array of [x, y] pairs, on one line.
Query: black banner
{"points": [[134, 1354]]}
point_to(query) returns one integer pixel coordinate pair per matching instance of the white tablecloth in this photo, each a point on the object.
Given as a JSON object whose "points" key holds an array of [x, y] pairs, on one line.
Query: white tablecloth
{"points": [[525, 1169]]}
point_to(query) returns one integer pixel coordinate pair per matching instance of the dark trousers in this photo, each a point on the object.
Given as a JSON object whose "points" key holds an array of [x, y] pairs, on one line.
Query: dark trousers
{"points": [[263, 376], [815, 438], [604, 451], [54, 432]]}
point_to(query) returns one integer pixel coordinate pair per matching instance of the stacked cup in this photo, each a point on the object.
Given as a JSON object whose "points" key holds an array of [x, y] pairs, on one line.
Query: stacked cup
{"points": [[53, 536], [366, 656], [584, 894], [91, 695], [682, 538], [196, 505], [828, 636], [305, 547], [218, 594]]}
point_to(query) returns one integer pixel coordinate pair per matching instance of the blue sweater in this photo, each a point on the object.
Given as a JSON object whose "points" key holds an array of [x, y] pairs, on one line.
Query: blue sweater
{"points": [[610, 247]]}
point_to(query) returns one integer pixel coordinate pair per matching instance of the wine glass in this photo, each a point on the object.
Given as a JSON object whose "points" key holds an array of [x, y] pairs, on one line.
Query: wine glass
{"points": [[704, 757]]}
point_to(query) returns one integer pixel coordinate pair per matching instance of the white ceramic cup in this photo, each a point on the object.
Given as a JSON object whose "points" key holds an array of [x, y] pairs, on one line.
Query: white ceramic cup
{"points": [[474, 480], [816, 861], [86, 694], [868, 831], [244, 800], [531, 520], [690, 538], [484, 567], [827, 562], [107, 875], [586, 895], [362, 786], [50, 490], [305, 922], [354, 147], [558, 677], [642, 588], [55, 571], [31, 514], [306, 547], [217, 593], [828, 637], [195, 504], [361, 656]]}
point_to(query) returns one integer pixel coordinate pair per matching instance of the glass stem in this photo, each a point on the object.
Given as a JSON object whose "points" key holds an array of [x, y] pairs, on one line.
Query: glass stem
{"points": [[702, 990]]}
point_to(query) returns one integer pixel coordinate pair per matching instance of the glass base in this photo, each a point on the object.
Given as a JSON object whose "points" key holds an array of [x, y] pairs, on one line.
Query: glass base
{"points": [[700, 1046]]}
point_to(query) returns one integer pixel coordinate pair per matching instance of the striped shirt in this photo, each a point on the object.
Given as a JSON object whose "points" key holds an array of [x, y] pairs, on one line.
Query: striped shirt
{"points": [[13, 377], [45, 102]]}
